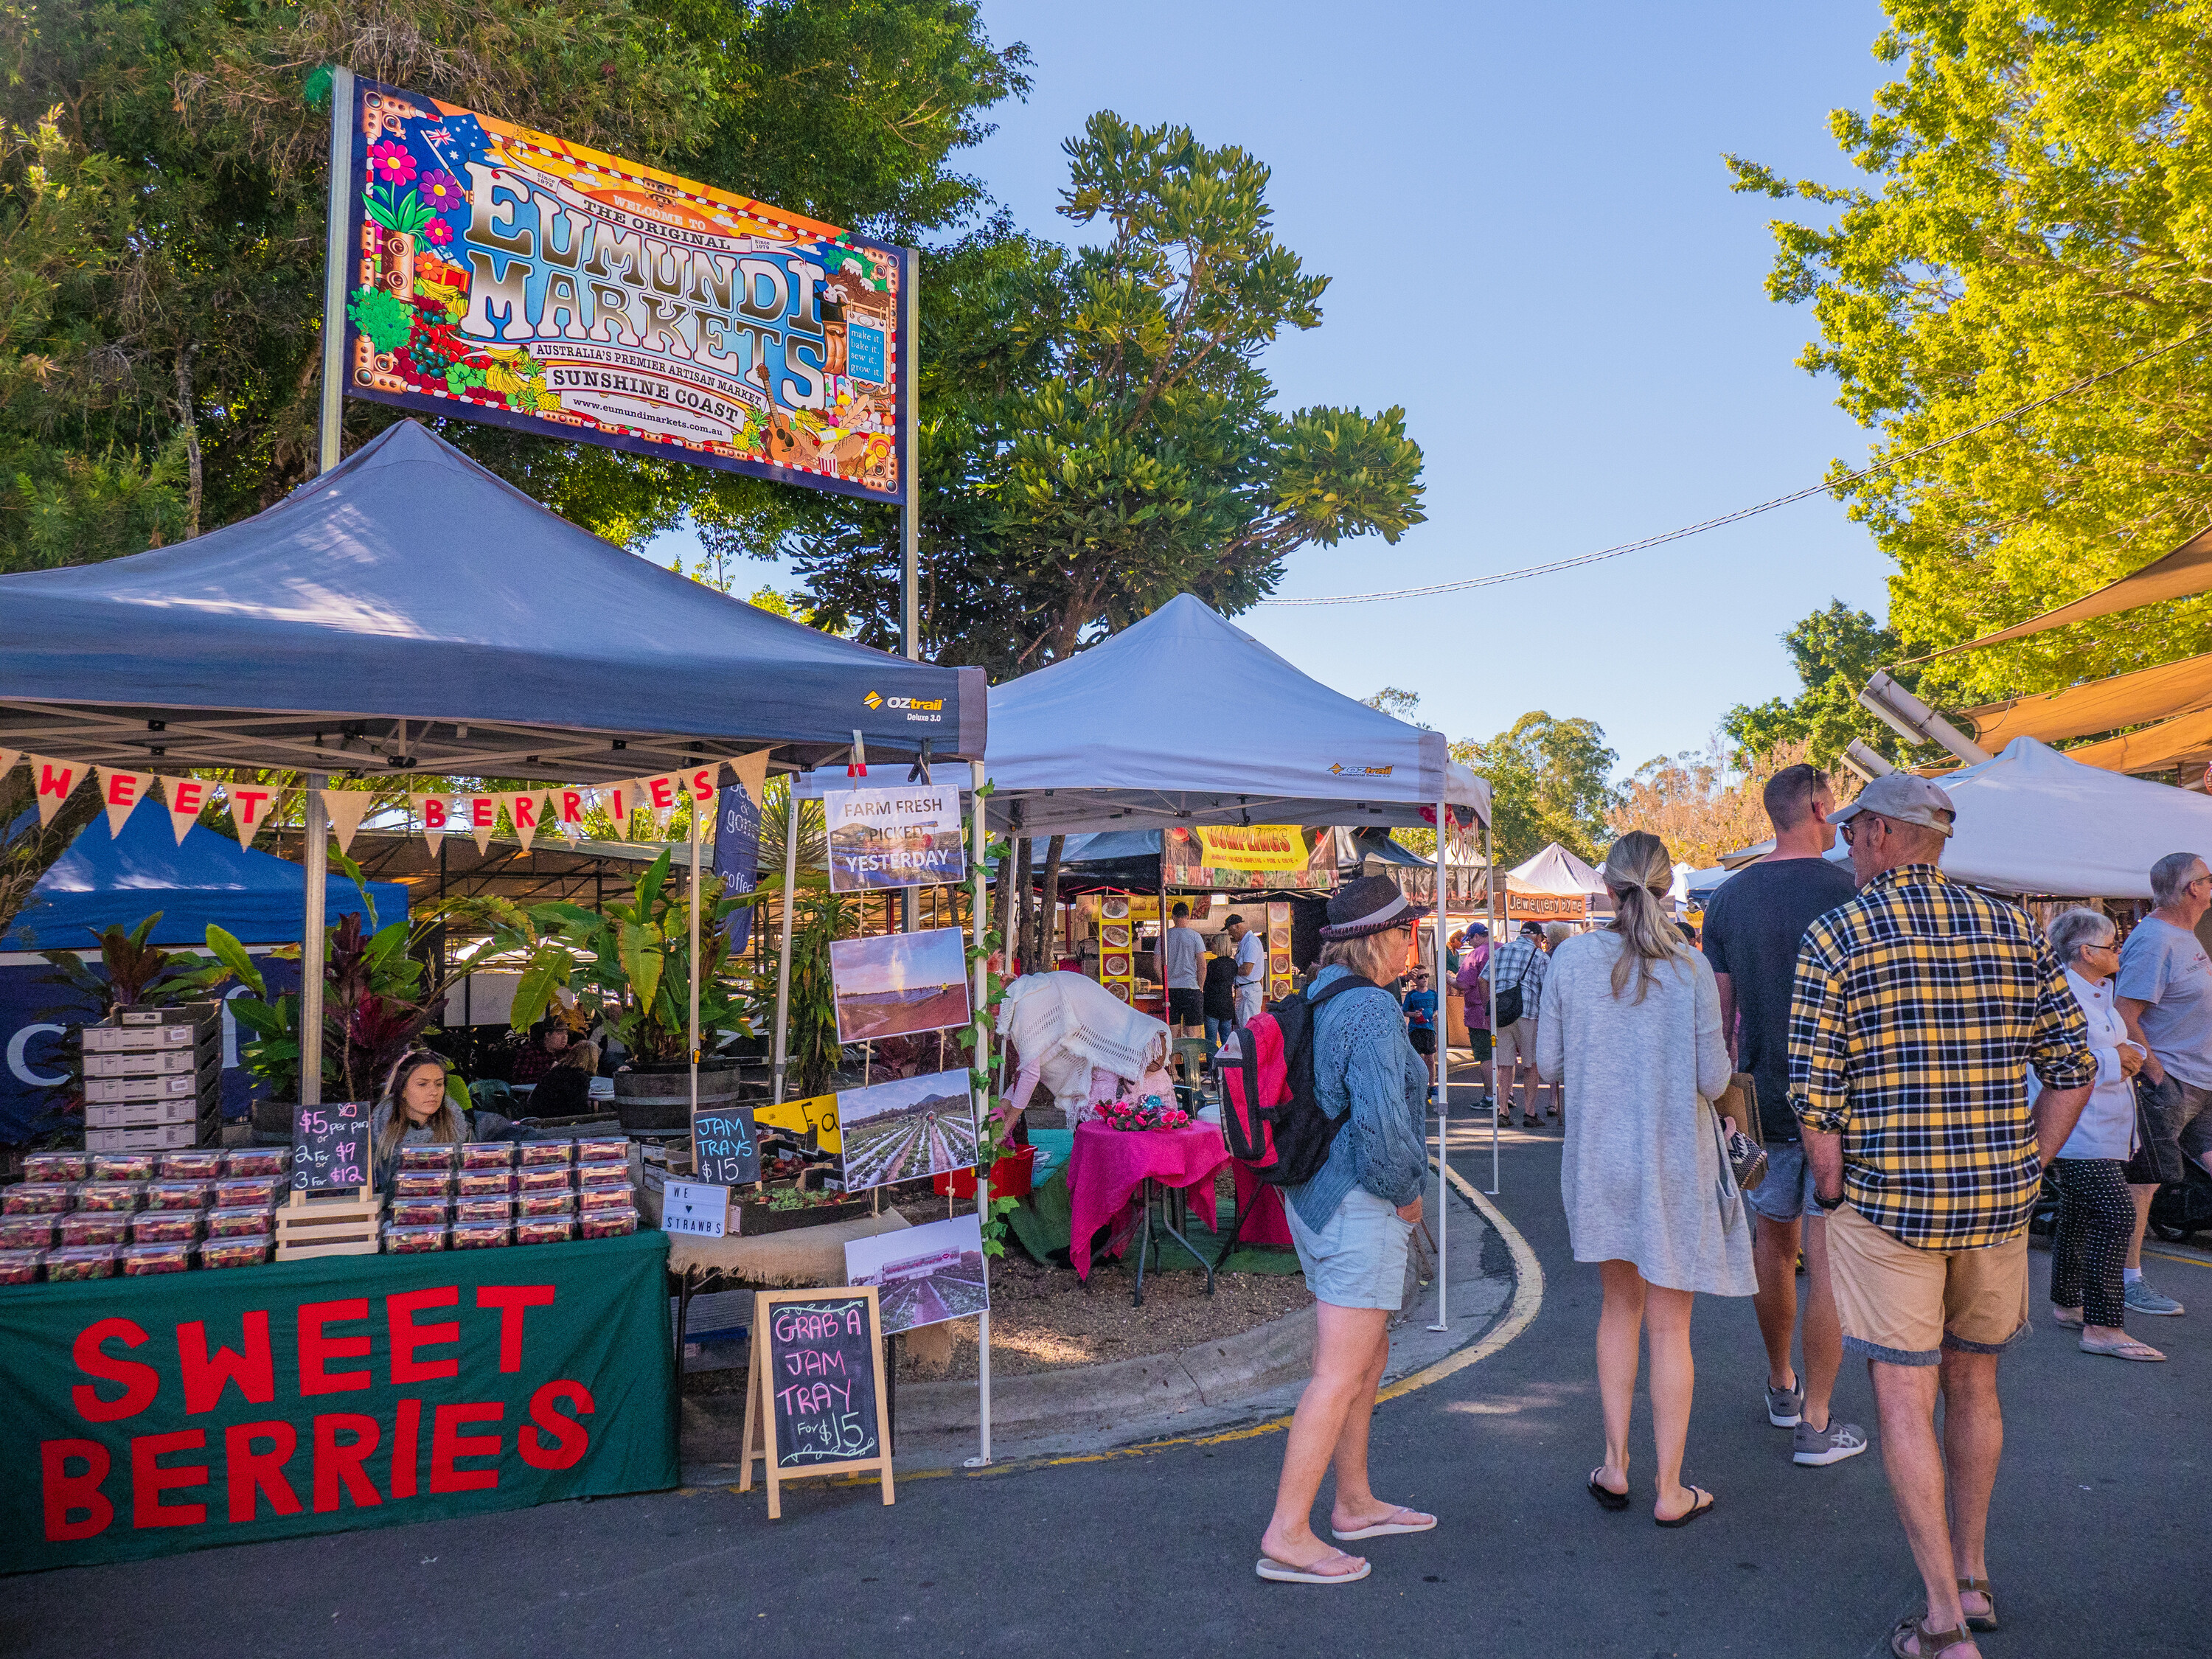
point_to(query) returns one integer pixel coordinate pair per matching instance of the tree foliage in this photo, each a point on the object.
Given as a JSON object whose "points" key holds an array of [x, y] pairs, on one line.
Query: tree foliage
{"points": [[161, 229], [1703, 803], [1550, 781], [1835, 652], [2039, 210]]}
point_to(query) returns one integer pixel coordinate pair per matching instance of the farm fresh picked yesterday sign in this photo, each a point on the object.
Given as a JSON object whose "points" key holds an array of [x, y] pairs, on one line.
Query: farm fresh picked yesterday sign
{"points": [[507, 275], [906, 837]]}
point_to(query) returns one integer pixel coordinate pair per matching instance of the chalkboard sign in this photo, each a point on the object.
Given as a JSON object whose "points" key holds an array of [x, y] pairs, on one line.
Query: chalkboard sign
{"points": [[816, 1389], [725, 1151], [331, 1147]]}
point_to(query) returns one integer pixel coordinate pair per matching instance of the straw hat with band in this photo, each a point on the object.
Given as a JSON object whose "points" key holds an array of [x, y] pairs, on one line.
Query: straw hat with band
{"points": [[1372, 904]]}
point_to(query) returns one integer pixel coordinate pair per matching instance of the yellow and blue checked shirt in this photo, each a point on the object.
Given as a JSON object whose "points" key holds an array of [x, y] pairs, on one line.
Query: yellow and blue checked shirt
{"points": [[1918, 1009]]}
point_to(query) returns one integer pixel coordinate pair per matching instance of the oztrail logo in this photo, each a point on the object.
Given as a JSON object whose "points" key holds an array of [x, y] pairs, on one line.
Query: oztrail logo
{"points": [[912, 702], [873, 701]]}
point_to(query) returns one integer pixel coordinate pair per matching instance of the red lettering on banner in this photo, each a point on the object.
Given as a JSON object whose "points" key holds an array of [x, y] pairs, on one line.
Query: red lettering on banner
{"points": [[512, 1300], [57, 780], [702, 783], [254, 1475], [140, 1382], [406, 1449], [187, 794], [66, 1494], [569, 1438], [249, 801], [663, 793], [399, 1312], [121, 788], [434, 812], [315, 1348], [148, 1479], [484, 812], [620, 806], [250, 1367], [336, 1464], [524, 809], [448, 1443], [572, 807]]}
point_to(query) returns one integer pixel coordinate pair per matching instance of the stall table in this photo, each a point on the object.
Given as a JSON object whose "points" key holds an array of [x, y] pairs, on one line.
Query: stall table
{"points": [[1107, 1168], [154, 1415]]}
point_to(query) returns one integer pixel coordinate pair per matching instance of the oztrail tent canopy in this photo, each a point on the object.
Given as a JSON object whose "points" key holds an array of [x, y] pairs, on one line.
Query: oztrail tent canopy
{"points": [[1557, 871], [1186, 719], [408, 611], [105, 881]]}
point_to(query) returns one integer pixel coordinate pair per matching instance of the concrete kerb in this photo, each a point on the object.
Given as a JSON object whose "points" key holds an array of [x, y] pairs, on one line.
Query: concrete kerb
{"points": [[1232, 1388]]}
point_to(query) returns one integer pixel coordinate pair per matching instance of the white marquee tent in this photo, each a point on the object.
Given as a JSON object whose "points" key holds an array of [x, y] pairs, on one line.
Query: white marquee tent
{"points": [[1556, 870]]}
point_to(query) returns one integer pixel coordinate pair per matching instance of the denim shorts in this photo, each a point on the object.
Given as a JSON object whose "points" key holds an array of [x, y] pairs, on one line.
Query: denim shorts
{"points": [[1787, 1191], [1358, 1259]]}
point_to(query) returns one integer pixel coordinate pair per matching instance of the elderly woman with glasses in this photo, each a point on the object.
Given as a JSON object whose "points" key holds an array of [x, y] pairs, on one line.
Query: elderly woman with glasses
{"points": [[2096, 1212]]}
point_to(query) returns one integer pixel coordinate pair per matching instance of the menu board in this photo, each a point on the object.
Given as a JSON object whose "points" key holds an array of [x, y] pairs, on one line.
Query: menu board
{"points": [[817, 1389], [725, 1151], [330, 1146]]}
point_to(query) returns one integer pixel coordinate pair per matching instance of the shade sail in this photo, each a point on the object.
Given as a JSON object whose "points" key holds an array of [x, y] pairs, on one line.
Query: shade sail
{"points": [[2181, 574], [2160, 748], [1187, 719], [410, 610], [2148, 693], [106, 881]]}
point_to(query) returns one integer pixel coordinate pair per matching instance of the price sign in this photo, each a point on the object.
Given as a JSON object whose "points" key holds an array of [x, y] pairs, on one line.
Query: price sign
{"points": [[816, 1404], [723, 1146], [694, 1207], [331, 1147]]}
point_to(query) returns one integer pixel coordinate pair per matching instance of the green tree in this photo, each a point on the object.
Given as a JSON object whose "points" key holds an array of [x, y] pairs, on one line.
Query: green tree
{"points": [[1550, 781], [1835, 652], [2039, 210], [1097, 432]]}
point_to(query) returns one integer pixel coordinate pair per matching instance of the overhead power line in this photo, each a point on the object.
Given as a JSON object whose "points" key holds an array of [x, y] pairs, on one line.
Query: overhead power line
{"points": [[1743, 512]]}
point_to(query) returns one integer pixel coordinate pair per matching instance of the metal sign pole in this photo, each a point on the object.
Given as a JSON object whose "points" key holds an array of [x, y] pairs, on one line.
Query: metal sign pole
{"points": [[1441, 1024], [980, 1057], [1489, 915], [783, 950], [694, 975], [910, 484]]}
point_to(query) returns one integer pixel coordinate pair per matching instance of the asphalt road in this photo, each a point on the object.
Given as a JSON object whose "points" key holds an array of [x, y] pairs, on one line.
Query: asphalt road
{"points": [[2098, 1538]]}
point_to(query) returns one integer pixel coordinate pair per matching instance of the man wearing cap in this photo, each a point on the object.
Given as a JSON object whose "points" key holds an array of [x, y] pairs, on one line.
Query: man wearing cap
{"points": [[1918, 1009], [1474, 982], [1251, 968], [1519, 965]]}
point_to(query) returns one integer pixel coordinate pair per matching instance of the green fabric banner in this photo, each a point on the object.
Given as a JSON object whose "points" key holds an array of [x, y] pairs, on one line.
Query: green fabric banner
{"points": [[173, 1411]]}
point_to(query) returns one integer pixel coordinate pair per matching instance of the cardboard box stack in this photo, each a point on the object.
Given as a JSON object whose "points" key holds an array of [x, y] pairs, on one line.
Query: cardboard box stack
{"points": [[153, 1079]]}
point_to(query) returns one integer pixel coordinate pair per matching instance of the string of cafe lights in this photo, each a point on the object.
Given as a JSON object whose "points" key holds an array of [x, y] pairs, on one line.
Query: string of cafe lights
{"points": [[1826, 487]]}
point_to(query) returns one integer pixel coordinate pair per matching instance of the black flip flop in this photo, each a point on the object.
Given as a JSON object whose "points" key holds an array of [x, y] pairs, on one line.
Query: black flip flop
{"points": [[1607, 1497], [1690, 1514]]}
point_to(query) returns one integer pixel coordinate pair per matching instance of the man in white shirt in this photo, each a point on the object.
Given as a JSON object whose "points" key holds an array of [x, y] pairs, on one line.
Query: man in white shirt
{"points": [[1251, 969], [1182, 963]]}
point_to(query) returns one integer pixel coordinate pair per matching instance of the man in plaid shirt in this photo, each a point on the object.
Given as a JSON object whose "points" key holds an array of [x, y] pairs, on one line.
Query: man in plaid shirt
{"points": [[1918, 1010], [1520, 963]]}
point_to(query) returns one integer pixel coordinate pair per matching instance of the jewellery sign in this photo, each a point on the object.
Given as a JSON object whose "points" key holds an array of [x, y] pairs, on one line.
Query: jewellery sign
{"points": [[509, 277]]}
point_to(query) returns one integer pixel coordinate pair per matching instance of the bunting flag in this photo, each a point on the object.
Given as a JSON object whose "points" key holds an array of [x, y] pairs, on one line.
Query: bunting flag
{"points": [[121, 791], [620, 800], [437, 815], [480, 817], [564, 809], [659, 796], [522, 813], [53, 779], [187, 797], [751, 770], [8, 759], [252, 806], [346, 808]]}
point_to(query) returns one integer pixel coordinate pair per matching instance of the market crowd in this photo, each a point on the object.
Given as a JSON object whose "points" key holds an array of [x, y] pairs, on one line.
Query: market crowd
{"points": [[1868, 1066]]}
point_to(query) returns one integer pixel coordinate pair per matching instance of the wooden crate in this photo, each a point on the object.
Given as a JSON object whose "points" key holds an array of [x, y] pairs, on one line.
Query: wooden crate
{"points": [[316, 1225]]}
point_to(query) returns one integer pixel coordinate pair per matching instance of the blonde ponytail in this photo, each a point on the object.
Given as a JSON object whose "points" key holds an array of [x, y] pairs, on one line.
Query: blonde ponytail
{"points": [[1637, 873]]}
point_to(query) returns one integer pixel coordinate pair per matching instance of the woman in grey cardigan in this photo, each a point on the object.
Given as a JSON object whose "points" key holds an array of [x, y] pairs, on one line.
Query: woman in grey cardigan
{"points": [[1631, 1018], [1351, 1224]]}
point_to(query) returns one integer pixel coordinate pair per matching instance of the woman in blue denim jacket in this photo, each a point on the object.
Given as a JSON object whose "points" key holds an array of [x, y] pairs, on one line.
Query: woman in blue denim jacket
{"points": [[1351, 1224]]}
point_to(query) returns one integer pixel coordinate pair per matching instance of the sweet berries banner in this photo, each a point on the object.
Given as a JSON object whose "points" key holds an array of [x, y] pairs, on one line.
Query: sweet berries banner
{"points": [[509, 277]]}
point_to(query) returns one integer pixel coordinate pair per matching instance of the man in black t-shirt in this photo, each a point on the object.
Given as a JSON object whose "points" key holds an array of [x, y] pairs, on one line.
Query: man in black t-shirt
{"points": [[1754, 928]]}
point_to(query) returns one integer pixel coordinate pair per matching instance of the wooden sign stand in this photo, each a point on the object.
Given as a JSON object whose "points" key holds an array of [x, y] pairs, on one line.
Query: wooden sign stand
{"points": [[760, 1407], [313, 1224]]}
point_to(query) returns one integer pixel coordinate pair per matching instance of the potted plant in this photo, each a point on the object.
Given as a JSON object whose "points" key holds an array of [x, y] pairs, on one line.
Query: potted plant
{"points": [[630, 964]]}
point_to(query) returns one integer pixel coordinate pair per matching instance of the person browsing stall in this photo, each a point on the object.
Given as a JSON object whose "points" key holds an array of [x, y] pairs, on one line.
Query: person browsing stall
{"points": [[1421, 1007], [1251, 968], [1519, 965], [1183, 959]]}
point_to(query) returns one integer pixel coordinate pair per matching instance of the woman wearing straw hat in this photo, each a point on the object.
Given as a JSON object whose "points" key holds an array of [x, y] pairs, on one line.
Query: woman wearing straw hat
{"points": [[1631, 1018], [1351, 1224]]}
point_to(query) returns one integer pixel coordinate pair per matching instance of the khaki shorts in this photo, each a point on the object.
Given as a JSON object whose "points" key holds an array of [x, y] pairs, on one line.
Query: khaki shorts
{"points": [[1906, 1306], [1517, 1042]]}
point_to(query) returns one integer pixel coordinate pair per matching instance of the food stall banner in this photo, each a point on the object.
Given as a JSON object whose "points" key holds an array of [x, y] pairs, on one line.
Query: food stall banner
{"points": [[1187, 857], [509, 277], [1255, 847], [154, 1415]]}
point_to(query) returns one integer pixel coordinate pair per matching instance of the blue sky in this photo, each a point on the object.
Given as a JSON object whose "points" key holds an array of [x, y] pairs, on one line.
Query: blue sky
{"points": [[1534, 249]]}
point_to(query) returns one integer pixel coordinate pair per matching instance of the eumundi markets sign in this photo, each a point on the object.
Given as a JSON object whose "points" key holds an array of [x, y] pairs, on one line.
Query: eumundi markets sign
{"points": [[507, 275]]}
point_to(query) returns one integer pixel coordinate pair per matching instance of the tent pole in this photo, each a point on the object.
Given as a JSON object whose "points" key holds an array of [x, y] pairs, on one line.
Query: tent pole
{"points": [[909, 346], [337, 264], [1489, 915], [980, 1057], [1442, 1027], [694, 908], [783, 950], [314, 853]]}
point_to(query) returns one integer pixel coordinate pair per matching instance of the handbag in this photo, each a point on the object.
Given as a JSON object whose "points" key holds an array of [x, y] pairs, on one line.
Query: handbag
{"points": [[2157, 1157], [1745, 1149], [1508, 999]]}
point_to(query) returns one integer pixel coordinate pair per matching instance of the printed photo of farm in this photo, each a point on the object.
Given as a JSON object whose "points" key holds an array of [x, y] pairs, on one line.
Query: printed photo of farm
{"points": [[899, 983], [924, 1274], [916, 1126]]}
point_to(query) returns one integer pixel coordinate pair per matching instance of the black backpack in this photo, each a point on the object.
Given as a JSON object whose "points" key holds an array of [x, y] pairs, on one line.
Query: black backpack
{"points": [[1270, 1110], [1508, 999]]}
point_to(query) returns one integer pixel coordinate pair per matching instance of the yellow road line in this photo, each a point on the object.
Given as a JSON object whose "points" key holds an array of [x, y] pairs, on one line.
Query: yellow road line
{"points": [[2193, 1260], [1527, 1299]]}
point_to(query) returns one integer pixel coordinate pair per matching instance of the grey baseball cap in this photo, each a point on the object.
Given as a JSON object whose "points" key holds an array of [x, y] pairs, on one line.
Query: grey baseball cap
{"points": [[1903, 797]]}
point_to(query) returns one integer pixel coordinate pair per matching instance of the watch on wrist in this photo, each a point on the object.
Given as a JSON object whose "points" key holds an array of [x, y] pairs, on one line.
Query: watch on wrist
{"points": [[1827, 1203]]}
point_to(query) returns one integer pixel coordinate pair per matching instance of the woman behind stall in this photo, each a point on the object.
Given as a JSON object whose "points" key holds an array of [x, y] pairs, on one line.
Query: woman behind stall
{"points": [[567, 1089], [1220, 991], [417, 1108]]}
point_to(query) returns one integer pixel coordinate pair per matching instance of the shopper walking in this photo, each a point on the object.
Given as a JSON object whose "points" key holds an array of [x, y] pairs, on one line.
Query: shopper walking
{"points": [[1753, 928], [1919, 1008], [1632, 1021], [1351, 1224], [2165, 989], [1519, 966], [1472, 983], [2096, 1212]]}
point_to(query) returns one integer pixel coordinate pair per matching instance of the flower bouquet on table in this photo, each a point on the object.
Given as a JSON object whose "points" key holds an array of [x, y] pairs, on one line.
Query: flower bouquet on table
{"points": [[1150, 1113]]}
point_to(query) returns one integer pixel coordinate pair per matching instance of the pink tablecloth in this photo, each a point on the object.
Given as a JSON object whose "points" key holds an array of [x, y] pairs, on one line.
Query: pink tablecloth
{"points": [[1265, 1226], [1107, 1166]]}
